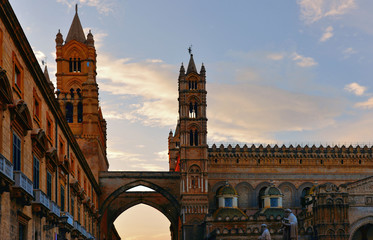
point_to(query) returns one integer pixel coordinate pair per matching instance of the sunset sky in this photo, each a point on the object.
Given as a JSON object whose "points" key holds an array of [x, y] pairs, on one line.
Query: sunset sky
{"points": [[285, 72]]}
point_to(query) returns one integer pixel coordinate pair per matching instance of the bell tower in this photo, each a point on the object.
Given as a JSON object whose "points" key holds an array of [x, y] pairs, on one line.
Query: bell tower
{"points": [[188, 149], [77, 93]]}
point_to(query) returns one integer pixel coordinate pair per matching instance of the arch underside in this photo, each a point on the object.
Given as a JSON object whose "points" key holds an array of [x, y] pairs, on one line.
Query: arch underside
{"points": [[163, 199]]}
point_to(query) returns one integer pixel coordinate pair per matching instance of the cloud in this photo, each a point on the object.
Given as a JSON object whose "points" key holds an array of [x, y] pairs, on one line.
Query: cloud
{"points": [[327, 34], [313, 10], [40, 56], [355, 88], [367, 104], [303, 61], [103, 6], [153, 82], [98, 36], [275, 56], [120, 160]]}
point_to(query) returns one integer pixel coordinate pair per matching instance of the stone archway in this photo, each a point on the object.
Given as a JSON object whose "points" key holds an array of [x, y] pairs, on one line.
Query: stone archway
{"points": [[116, 199], [361, 228]]}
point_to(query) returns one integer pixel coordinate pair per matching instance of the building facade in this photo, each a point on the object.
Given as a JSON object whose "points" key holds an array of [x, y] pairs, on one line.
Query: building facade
{"points": [[52, 141], [55, 183]]}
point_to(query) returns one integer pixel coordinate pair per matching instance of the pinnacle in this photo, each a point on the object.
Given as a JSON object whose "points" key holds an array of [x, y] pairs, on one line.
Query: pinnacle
{"points": [[76, 31]]}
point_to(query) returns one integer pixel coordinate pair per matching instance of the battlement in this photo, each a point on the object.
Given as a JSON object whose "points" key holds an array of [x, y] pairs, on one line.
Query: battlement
{"points": [[292, 150]]}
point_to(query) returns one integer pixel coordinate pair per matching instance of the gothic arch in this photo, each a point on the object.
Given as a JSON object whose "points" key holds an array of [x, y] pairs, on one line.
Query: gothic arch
{"points": [[213, 192], [120, 200], [257, 191], [299, 192], [246, 196], [73, 47], [73, 83], [136, 183], [359, 223], [290, 192], [194, 98]]}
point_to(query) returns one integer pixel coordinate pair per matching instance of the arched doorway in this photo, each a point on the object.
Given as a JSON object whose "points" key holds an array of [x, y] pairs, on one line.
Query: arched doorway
{"points": [[142, 222], [364, 232], [124, 198]]}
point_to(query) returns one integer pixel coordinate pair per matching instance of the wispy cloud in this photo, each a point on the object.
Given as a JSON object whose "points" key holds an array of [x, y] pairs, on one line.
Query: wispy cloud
{"points": [[313, 10], [328, 33], [367, 104], [303, 61], [275, 56], [102, 6], [355, 88]]}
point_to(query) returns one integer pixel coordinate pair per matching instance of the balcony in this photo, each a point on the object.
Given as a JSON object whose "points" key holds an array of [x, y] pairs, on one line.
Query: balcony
{"points": [[41, 203], [6, 174], [55, 212], [22, 189], [67, 221], [84, 232], [76, 232]]}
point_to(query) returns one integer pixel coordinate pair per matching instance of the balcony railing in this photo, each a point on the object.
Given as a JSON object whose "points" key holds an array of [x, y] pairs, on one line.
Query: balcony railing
{"points": [[84, 232], [23, 182], [6, 167], [77, 226], [55, 209], [66, 217], [41, 198]]}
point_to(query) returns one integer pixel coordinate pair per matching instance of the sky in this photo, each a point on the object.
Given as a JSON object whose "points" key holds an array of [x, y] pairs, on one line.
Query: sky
{"points": [[278, 72]]}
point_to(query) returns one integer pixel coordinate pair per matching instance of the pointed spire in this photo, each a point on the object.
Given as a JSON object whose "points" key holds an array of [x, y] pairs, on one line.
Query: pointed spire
{"points": [[203, 70], [46, 74], [59, 38], [182, 69], [90, 41], [76, 31], [191, 65]]}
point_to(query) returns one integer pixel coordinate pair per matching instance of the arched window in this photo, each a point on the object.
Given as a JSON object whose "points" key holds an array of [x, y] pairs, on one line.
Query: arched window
{"points": [[80, 112], [72, 93], [78, 91], [305, 192], [69, 112], [260, 199], [194, 173], [193, 137]]}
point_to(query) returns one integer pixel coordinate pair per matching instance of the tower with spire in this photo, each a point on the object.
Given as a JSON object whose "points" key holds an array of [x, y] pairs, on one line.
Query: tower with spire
{"points": [[188, 148], [77, 93]]}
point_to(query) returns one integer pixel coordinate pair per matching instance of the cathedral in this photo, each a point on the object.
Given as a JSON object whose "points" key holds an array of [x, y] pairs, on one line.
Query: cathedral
{"points": [[55, 183]]}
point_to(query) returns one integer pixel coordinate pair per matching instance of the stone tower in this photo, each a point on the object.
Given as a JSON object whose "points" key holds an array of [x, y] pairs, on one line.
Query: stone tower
{"points": [[188, 149], [77, 93]]}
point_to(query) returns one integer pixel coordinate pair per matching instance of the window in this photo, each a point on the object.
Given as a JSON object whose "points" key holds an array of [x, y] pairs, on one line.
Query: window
{"points": [[17, 76], [228, 202], [36, 171], [16, 152], [274, 202], [193, 138], [79, 212], [193, 110], [69, 112], [80, 112], [72, 206], [37, 107], [21, 231], [49, 185], [62, 198], [192, 85], [49, 128], [62, 149], [75, 65]]}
